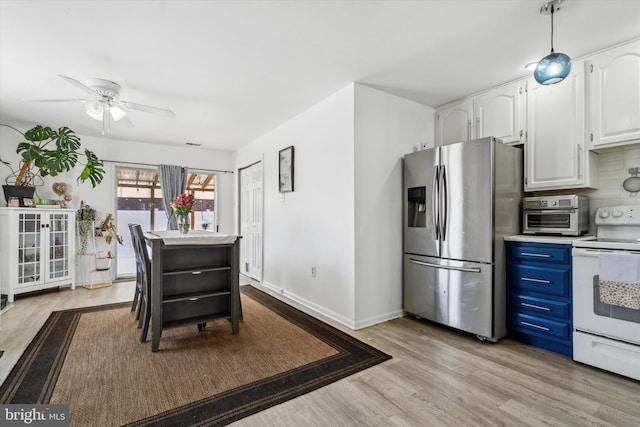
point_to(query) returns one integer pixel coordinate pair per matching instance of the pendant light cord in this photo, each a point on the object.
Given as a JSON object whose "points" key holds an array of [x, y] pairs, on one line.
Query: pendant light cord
{"points": [[552, 8]]}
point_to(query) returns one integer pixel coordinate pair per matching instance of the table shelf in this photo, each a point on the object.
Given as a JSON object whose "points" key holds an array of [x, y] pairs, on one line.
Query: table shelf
{"points": [[179, 271], [193, 296]]}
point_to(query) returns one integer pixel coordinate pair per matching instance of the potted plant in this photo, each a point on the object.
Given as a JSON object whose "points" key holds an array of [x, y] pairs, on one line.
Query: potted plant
{"points": [[46, 151]]}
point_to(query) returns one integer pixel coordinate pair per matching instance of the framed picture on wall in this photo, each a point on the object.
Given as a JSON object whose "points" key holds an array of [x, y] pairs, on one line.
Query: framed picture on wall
{"points": [[285, 170]]}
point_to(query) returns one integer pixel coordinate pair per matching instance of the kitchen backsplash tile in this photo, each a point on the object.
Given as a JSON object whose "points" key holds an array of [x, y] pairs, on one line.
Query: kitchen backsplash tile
{"points": [[613, 169]]}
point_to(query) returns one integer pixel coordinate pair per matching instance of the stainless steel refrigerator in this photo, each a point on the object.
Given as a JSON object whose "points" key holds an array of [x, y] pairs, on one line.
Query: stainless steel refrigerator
{"points": [[460, 200]]}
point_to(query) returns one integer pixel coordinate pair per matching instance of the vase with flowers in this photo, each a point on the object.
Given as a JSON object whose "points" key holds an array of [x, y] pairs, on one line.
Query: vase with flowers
{"points": [[182, 208]]}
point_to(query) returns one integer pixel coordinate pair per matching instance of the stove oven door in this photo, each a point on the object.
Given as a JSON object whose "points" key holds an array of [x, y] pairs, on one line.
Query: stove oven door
{"points": [[606, 334]]}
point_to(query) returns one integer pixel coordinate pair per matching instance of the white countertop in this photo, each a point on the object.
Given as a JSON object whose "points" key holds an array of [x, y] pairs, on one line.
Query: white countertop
{"points": [[534, 238]]}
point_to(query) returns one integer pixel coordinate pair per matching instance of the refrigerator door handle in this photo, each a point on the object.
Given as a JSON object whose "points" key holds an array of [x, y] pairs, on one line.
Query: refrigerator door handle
{"points": [[435, 196], [446, 267], [444, 204]]}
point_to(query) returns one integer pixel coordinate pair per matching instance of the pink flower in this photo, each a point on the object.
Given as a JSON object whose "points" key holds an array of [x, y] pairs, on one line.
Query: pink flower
{"points": [[183, 205]]}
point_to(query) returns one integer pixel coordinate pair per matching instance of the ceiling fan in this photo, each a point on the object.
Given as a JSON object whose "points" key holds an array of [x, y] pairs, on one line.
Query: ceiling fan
{"points": [[105, 103]]}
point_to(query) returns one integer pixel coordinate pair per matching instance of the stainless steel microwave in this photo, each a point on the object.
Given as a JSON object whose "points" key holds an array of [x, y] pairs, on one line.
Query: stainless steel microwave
{"points": [[562, 215]]}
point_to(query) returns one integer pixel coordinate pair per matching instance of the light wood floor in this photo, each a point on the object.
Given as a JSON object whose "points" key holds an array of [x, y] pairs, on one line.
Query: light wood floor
{"points": [[436, 377]]}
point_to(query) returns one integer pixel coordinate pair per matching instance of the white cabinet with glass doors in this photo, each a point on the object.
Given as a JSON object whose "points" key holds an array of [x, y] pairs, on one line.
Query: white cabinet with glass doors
{"points": [[36, 250]]}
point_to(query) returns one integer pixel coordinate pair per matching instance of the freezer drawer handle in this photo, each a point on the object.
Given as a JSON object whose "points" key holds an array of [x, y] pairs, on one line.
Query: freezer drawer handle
{"points": [[446, 267], [528, 279], [536, 255], [539, 307], [544, 328]]}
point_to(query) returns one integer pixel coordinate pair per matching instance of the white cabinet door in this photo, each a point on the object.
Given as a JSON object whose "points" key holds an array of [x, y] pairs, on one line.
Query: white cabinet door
{"points": [[554, 154], [499, 113], [36, 249], [614, 83], [455, 123]]}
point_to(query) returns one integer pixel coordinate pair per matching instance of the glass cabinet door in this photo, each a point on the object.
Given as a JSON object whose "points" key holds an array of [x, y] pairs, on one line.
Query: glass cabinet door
{"points": [[29, 248], [58, 233]]}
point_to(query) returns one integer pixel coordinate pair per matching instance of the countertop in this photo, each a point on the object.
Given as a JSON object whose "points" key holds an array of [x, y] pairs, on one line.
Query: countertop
{"points": [[561, 240]]}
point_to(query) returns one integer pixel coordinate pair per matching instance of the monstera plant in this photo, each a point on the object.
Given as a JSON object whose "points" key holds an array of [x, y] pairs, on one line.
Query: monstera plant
{"points": [[49, 152]]}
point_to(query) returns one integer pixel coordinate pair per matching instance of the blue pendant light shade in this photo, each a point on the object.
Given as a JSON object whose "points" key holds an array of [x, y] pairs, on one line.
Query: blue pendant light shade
{"points": [[554, 67]]}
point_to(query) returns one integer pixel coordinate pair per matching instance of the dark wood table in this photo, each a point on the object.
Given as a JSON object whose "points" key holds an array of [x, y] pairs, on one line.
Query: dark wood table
{"points": [[194, 280]]}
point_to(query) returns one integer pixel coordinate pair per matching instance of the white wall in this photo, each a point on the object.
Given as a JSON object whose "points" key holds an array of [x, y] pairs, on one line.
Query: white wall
{"points": [[386, 128], [314, 224], [344, 216]]}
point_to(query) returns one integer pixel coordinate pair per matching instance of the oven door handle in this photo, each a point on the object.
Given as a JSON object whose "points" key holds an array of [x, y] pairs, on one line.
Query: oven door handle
{"points": [[589, 253], [593, 253], [550, 211]]}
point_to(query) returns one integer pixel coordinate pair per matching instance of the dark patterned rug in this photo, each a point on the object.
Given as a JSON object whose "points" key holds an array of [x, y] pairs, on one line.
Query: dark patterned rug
{"points": [[91, 359]]}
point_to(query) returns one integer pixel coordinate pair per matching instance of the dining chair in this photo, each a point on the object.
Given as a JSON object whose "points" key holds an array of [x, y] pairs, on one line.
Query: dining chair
{"points": [[135, 306], [143, 260]]}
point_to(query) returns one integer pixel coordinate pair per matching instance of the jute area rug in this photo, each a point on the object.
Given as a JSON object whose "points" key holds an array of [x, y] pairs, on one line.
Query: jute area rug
{"points": [[92, 359]]}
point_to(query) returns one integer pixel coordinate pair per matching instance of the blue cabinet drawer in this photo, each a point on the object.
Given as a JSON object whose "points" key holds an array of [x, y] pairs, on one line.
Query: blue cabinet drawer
{"points": [[546, 280], [541, 307], [540, 326], [544, 253]]}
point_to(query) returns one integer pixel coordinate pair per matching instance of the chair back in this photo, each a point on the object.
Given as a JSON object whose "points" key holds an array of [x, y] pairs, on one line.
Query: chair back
{"points": [[140, 248]]}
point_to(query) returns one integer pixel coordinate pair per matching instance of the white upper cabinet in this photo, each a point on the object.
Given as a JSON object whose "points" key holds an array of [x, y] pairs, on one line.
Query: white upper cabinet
{"points": [[555, 155], [455, 123], [614, 89], [501, 112]]}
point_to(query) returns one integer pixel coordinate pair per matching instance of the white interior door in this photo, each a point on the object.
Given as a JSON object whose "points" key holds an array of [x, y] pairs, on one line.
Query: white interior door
{"points": [[251, 213]]}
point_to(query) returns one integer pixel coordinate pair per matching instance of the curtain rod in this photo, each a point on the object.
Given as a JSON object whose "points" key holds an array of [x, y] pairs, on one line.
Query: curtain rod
{"points": [[155, 166]]}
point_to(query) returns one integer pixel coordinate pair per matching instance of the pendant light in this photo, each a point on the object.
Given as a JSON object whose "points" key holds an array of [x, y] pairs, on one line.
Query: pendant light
{"points": [[554, 67]]}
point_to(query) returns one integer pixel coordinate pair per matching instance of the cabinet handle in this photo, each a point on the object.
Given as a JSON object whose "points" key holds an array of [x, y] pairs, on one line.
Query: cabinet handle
{"points": [[536, 255], [528, 279], [468, 130], [579, 161], [544, 328], [538, 307]]}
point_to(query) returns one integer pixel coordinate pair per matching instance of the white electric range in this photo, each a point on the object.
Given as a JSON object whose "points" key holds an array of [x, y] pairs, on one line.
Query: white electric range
{"points": [[607, 332]]}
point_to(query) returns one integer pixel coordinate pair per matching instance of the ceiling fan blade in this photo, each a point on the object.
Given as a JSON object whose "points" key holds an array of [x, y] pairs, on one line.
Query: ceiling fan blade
{"points": [[148, 109], [125, 122], [55, 100], [78, 84]]}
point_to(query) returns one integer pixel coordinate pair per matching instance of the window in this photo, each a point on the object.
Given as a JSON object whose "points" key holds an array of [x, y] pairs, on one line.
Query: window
{"points": [[140, 201]]}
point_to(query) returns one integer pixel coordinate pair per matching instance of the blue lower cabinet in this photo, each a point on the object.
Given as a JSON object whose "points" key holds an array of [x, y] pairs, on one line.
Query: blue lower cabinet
{"points": [[539, 295]]}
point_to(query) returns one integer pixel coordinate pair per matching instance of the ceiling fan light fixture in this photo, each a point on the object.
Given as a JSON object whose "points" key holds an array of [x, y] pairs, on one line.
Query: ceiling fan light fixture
{"points": [[554, 67], [117, 113], [94, 110]]}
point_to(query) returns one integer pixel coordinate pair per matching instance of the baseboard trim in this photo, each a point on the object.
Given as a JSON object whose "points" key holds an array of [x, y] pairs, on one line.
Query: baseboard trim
{"points": [[320, 312]]}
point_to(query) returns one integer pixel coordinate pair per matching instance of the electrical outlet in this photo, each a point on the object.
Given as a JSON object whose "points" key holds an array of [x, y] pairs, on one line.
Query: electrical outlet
{"points": [[313, 271]]}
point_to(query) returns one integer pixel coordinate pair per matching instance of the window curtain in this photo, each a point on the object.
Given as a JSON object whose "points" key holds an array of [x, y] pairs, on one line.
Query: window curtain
{"points": [[173, 180]]}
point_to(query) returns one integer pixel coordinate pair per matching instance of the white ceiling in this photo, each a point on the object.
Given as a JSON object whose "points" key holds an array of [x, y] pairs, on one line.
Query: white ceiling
{"points": [[233, 70]]}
